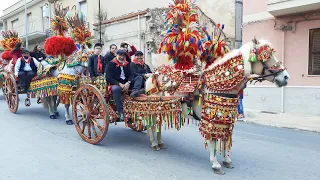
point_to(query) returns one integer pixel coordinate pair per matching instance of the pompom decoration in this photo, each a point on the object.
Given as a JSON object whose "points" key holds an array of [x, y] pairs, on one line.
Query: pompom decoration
{"points": [[185, 40], [6, 55], [182, 39], [59, 45]]}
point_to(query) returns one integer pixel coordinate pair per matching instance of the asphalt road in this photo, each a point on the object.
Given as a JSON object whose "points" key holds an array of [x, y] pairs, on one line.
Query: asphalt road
{"points": [[34, 147]]}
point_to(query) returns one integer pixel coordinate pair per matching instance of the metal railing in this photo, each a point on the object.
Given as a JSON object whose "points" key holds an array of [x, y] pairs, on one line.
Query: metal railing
{"points": [[33, 26]]}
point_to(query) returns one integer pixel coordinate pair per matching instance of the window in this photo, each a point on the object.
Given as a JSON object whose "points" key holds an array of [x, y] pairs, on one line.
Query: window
{"points": [[314, 52], [14, 23], [29, 17], [83, 8]]}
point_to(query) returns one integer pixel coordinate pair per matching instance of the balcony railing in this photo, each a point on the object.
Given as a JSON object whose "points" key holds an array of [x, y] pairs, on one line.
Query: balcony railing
{"points": [[35, 27], [286, 7]]}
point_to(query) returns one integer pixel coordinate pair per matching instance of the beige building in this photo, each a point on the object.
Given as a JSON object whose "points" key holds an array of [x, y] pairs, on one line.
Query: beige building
{"points": [[38, 15]]}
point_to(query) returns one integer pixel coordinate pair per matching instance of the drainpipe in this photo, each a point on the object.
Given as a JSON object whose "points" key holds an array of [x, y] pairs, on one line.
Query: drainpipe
{"points": [[139, 35], [283, 63], [238, 23]]}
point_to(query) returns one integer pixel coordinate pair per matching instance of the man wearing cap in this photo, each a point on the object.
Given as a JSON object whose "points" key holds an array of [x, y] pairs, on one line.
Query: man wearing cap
{"points": [[124, 46], [96, 62], [25, 69], [118, 75], [139, 71]]}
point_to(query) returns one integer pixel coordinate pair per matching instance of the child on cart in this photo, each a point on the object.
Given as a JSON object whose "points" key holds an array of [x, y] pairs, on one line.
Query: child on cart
{"points": [[25, 69]]}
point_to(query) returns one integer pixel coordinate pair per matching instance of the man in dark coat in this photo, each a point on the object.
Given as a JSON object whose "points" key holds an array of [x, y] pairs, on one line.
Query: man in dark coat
{"points": [[118, 75], [139, 71], [96, 62], [111, 54]]}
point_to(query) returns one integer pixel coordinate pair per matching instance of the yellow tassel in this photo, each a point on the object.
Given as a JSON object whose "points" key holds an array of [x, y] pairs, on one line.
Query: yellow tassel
{"points": [[200, 99]]}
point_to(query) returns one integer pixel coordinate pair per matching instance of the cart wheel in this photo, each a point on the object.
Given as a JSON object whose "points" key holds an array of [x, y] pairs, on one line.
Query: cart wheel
{"points": [[90, 114], [11, 93]]}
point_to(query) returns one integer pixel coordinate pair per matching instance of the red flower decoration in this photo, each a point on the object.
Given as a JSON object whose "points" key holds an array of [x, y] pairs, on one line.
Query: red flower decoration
{"points": [[59, 45], [6, 55]]}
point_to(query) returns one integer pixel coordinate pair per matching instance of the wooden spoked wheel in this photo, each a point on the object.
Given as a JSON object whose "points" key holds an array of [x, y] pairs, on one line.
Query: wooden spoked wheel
{"points": [[90, 113], [2, 85], [11, 93]]}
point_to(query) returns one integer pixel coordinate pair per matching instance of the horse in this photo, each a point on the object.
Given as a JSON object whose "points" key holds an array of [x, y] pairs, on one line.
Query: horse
{"points": [[254, 61], [73, 67]]}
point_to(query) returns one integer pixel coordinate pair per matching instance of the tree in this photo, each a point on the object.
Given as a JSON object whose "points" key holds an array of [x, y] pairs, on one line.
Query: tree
{"points": [[101, 15]]}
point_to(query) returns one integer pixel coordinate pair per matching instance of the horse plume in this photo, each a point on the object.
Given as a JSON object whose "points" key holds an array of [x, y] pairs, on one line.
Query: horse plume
{"points": [[185, 39]]}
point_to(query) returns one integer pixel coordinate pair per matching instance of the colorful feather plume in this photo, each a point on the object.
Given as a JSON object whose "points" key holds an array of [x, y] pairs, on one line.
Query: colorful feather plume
{"points": [[185, 39]]}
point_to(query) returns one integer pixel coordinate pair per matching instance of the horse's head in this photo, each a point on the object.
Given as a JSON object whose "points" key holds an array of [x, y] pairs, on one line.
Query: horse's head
{"points": [[265, 64]]}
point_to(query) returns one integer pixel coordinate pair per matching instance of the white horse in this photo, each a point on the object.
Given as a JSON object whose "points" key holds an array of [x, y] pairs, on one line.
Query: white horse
{"points": [[75, 65], [266, 67]]}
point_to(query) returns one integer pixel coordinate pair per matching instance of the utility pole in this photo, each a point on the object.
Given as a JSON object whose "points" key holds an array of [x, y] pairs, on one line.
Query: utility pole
{"points": [[100, 19], [238, 23], [26, 16]]}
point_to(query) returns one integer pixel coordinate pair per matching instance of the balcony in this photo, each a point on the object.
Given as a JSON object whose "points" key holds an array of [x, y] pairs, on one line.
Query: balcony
{"points": [[286, 7], [36, 29]]}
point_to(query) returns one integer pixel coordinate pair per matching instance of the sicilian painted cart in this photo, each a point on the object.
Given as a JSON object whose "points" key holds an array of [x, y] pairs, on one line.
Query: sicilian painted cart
{"points": [[94, 109]]}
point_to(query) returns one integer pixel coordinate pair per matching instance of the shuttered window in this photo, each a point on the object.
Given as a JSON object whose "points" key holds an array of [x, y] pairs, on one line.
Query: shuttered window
{"points": [[314, 52]]}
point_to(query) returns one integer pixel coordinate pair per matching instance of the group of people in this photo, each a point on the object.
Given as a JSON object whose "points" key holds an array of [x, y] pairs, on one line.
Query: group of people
{"points": [[121, 72]]}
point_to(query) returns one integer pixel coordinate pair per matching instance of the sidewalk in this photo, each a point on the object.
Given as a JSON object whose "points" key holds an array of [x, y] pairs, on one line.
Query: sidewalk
{"points": [[286, 120]]}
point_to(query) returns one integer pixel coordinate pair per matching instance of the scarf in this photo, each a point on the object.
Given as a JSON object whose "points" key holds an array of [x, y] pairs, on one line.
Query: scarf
{"points": [[99, 64], [138, 62], [26, 61], [118, 64]]}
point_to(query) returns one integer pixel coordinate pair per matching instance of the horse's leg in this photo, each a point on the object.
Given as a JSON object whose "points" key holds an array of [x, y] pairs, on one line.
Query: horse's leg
{"points": [[68, 118], [153, 141], [227, 162], [213, 158], [51, 107], [55, 105], [159, 139]]}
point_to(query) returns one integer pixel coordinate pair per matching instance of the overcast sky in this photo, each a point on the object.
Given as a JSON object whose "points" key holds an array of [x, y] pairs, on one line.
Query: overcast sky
{"points": [[6, 3]]}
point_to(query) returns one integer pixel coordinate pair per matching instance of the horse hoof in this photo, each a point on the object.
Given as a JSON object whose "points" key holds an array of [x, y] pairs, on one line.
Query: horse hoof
{"points": [[155, 148], [57, 114], [53, 117], [69, 122], [228, 165], [218, 171], [162, 146]]}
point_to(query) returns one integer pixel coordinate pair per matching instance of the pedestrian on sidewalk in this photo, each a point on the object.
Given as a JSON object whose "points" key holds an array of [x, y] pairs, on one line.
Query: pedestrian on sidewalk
{"points": [[241, 116]]}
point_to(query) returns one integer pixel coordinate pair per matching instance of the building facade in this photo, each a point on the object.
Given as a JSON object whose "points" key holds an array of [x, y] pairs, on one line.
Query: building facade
{"points": [[38, 17], [293, 27]]}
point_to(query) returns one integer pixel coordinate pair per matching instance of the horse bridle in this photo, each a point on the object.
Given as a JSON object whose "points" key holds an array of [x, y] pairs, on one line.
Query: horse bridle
{"points": [[274, 69]]}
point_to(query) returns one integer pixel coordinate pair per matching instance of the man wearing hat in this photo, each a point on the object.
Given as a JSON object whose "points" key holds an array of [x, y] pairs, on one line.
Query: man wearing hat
{"points": [[25, 69], [96, 62], [139, 71], [118, 75]]}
